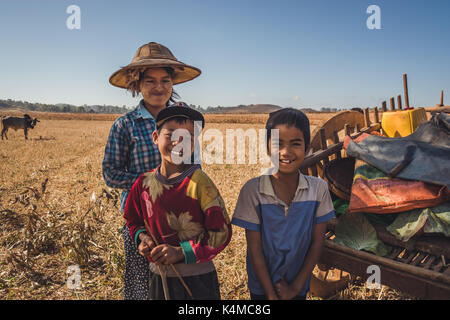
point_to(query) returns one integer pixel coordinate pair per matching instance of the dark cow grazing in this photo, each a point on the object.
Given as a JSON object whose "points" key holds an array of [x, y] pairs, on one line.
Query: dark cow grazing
{"points": [[17, 123]]}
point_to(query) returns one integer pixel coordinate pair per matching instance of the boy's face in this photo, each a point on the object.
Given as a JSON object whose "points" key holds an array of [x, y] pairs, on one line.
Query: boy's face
{"points": [[291, 148], [173, 151]]}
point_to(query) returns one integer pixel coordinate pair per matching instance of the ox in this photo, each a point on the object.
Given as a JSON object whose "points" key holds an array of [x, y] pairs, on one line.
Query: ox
{"points": [[17, 123]]}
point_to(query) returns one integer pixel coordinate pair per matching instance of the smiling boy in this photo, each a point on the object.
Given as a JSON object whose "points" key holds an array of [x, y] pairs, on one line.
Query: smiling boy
{"points": [[183, 209], [284, 215]]}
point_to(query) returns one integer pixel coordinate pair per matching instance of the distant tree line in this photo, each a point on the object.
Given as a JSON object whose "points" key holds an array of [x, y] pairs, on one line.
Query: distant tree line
{"points": [[61, 107]]}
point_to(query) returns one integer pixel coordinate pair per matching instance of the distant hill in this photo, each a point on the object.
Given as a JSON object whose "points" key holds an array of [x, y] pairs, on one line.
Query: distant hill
{"points": [[253, 108]]}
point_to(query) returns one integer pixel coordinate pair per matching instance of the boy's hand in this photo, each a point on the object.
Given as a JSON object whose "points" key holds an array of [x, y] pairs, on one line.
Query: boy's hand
{"points": [[284, 290], [166, 254], [146, 245], [272, 297]]}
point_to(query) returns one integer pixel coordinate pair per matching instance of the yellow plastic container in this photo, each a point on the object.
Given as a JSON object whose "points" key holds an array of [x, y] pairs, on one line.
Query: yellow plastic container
{"points": [[402, 123]]}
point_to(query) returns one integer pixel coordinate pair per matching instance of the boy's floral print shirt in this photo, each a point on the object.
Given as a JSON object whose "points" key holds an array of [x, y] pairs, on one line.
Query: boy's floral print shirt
{"points": [[185, 211]]}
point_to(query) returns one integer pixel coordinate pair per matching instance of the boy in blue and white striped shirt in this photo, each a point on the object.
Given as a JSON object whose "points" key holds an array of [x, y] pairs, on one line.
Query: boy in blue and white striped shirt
{"points": [[284, 215]]}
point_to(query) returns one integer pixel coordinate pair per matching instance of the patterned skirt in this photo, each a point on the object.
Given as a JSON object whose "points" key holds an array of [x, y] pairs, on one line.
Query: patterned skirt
{"points": [[137, 273]]}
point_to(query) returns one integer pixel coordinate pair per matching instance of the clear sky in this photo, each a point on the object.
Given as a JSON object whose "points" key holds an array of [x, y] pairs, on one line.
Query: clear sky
{"points": [[289, 53]]}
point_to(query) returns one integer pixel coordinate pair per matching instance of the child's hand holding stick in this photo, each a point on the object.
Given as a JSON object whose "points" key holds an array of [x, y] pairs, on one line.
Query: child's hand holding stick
{"points": [[173, 267]]}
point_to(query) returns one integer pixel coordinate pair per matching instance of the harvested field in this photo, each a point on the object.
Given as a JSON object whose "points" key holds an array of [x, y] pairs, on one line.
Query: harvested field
{"points": [[56, 211]]}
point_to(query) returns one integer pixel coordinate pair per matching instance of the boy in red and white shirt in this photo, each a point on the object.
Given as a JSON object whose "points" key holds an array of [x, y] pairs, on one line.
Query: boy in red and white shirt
{"points": [[184, 211]]}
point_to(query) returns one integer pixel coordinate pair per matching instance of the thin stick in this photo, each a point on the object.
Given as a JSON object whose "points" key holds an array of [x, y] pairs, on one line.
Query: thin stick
{"points": [[164, 282], [173, 267]]}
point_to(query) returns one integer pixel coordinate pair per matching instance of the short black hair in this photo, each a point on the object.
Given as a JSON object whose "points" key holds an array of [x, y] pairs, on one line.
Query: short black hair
{"points": [[288, 117], [177, 119]]}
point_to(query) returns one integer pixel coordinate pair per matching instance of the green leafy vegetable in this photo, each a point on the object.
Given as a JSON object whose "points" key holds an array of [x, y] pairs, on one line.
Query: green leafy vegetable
{"points": [[429, 220], [353, 230]]}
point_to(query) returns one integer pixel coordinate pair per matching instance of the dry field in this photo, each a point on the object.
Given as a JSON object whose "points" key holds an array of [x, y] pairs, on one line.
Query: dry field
{"points": [[56, 211]]}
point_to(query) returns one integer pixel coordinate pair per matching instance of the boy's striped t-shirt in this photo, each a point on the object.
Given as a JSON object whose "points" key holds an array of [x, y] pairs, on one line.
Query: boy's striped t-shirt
{"points": [[286, 231]]}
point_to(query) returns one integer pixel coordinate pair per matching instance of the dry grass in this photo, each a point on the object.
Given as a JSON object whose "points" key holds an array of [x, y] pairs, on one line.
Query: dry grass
{"points": [[50, 220]]}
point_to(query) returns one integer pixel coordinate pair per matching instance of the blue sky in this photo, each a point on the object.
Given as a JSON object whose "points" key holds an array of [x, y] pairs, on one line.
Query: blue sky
{"points": [[289, 53]]}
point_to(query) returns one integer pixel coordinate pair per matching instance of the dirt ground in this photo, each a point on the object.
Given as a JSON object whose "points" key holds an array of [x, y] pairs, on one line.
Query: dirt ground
{"points": [[56, 212]]}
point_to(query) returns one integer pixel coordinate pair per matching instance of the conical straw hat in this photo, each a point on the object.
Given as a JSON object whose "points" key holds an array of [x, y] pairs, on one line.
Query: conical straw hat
{"points": [[153, 55]]}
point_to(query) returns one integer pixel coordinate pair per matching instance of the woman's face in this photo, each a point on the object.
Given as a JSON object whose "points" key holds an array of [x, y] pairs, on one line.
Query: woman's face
{"points": [[156, 87]]}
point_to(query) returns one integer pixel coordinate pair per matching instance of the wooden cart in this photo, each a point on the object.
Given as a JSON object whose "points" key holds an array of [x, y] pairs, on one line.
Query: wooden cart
{"points": [[420, 270]]}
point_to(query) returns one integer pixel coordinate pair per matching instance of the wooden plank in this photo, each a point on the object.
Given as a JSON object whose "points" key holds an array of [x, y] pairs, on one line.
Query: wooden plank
{"points": [[445, 109], [347, 129], [317, 156], [411, 255], [335, 141], [442, 99], [366, 118], [377, 116], [323, 143], [429, 261], [313, 170], [335, 123], [374, 259], [392, 104], [405, 87], [395, 252], [399, 102], [408, 283], [383, 106], [419, 258], [438, 266]]}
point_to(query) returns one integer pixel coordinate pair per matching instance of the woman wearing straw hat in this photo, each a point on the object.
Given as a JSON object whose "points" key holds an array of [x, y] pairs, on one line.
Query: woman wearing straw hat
{"points": [[130, 150]]}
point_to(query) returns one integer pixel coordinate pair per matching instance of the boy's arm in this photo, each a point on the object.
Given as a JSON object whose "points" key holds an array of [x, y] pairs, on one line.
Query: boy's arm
{"points": [[259, 263], [217, 227], [288, 291], [133, 212]]}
